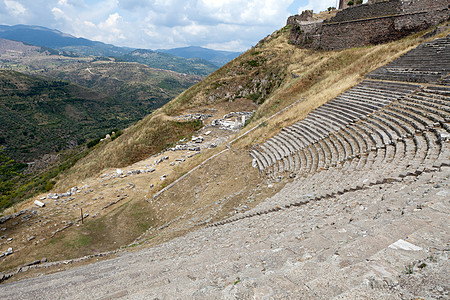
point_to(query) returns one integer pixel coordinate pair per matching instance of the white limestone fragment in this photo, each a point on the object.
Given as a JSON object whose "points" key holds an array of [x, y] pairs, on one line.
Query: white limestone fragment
{"points": [[404, 245], [39, 203]]}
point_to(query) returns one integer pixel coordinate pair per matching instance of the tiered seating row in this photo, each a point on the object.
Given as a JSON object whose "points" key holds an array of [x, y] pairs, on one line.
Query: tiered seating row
{"points": [[429, 62], [404, 136], [351, 106]]}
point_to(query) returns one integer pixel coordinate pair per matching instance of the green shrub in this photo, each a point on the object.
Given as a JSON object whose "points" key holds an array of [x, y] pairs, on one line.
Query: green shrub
{"points": [[253, 63], [93, 143], [350, 3], [49, 185]]}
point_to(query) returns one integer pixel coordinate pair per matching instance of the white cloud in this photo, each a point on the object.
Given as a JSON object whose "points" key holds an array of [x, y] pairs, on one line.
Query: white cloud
{"points": [[15, 8], [110, 30], [153, 24], [59, 14]]}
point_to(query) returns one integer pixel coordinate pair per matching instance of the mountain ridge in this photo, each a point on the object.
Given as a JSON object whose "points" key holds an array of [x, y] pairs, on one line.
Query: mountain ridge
{"points": [[218, 57], [53, 38]]}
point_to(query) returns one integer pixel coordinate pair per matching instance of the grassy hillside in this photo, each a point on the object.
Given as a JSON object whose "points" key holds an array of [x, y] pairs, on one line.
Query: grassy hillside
{"points": [[45, 122], [116, 79], [40, 116], [141, 87]]}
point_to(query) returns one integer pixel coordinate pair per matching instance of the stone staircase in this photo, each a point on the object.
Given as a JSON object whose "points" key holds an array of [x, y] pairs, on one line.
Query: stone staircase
{"points": [[377, 122]]}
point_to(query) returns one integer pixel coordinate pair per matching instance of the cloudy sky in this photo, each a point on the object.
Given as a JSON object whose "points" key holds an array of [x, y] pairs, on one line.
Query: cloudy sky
{"points": [[233, 25]]}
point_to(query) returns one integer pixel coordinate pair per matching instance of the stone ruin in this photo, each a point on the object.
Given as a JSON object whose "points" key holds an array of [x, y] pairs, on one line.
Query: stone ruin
{"points": [[233, 120], [372, 23]]}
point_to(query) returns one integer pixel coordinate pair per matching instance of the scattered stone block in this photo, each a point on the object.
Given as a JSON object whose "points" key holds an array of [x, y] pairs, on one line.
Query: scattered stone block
{"points": [[39, 203]]}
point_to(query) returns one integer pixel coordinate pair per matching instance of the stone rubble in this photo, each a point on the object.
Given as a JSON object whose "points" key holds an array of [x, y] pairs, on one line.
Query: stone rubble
{"points": [[233, 121]]}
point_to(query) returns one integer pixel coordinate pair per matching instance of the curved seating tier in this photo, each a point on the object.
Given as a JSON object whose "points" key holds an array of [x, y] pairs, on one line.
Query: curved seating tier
{"points": [[407, 133], [376, 131], [429, 62]]}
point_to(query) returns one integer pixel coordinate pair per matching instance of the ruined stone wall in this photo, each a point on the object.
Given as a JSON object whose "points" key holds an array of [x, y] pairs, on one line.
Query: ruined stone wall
{"points": [[413, 6], [306, 34], [365, 11], [371, 24], [375, 31]]}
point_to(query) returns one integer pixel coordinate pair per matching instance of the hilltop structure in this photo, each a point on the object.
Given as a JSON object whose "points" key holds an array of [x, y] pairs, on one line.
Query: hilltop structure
{"points": [[372, 23]]}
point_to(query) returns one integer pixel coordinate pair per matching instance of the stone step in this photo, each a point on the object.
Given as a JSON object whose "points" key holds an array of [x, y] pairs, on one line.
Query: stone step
{"points": [[327, 124], [328, 119], [282, 145], [443, 105], [275, 149], [414, 114], [258, 158], [269, 153], [296, 138], [348, 110], [286, 138], [364, 108], [342, 112], [418, 126], [393, 129], [405, 128], [316, 127], [384, 131]]}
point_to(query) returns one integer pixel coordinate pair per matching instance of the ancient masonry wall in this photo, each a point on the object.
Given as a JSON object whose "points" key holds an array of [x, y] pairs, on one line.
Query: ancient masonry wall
{"points": [[369, 24], [365, 11]]}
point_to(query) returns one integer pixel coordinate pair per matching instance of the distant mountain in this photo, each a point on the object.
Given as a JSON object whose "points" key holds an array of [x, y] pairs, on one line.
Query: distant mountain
{"points": [[159, 60], [42, 36], [219, 58]]}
